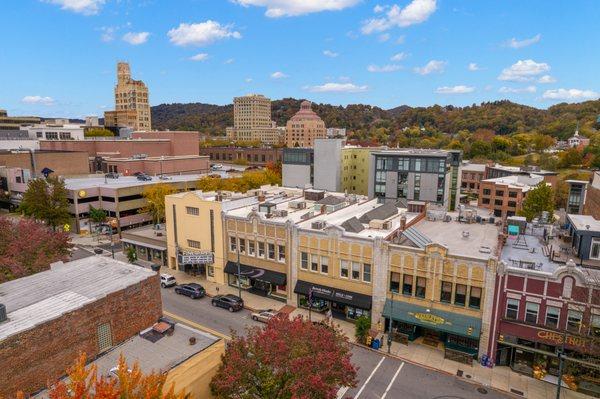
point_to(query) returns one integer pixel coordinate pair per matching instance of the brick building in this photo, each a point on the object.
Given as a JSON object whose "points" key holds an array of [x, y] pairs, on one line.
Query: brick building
{"points": [[255, 156], [63, 163], [90, 305], [471, 175], [592, 201], [505, 195]]}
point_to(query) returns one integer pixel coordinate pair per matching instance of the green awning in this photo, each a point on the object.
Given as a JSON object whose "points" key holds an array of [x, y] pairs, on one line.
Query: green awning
{"points": [[453, 323]]}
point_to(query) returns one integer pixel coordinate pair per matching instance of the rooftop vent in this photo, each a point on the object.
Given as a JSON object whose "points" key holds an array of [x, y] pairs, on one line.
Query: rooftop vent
{"points": [[3, 316], [318, 225], [298, 204]]}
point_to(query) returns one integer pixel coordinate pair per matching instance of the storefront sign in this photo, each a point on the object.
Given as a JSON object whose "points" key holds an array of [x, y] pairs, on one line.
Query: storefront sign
{"points": [[557, 339], [196, 258], [430, 318]]}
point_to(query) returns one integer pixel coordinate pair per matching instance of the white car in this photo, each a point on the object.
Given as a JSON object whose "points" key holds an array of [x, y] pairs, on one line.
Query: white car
{"points": [[264, 315], [217, 166], [166, 280]]}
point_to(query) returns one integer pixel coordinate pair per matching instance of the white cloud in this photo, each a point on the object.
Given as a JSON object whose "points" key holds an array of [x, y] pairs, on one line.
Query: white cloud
{"points": [[136, 38], [473, 67], [292, 8], [547, 79], [416, 12], [514, 43], [329, 53], [523, 71], [201, 34], [384, 37], [433, 66], [199, 57], [398, 57], [108, 33], [379, 8], [229, 61], [38, 100], [248, 80], [344, 78], [383, 68], [85, 7], [528, 89], [278, 75], [460, 89], [401, 39], [337, 88], [570, 95]]}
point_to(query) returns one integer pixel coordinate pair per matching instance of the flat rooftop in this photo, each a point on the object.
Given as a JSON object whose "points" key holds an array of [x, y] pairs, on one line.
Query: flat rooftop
{"points": [[525, 183], [148, 232], [413, 152], [124, 181], [44, 296], [473, 167], [165, 158], [584, 222]]}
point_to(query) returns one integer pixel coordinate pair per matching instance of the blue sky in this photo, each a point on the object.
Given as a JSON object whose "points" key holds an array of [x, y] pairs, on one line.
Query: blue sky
{"points": [[58, 57]]}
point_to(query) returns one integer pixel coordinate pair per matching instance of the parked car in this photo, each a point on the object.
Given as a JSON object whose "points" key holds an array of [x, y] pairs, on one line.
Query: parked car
{"points": [[112, 175], [264, 315], [192, 290], [216, 166], [143, 177], [166, 280], [230, 302]]}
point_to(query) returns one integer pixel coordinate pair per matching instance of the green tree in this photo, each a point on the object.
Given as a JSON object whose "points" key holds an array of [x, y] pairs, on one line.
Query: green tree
{"points": [[98, 132], [46, 200], [131, 254], [362, 325], [539, 199], [97, 215], [155, 200], [571, 157]]}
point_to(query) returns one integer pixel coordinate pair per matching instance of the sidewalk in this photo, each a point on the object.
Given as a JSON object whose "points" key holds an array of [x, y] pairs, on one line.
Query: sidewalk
{"points": [[500, 378]]}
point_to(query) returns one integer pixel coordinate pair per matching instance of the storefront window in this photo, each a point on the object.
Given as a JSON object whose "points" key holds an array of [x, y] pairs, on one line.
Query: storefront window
{"points": [[395, 282], [355, 313], [420, 290], [595, 326], [552, 316], [367, 272], [460, 296], [574, 320], [512, 309], [232, 244], [446, 293], [281, 252], [271, 251], [475, 298], [314, 263], [303, 260], [531, 312], [261, 249], [407, 284], [324, 264], [242, 246], [355, 271], [344, 268], [210, 270], [251, 248]]}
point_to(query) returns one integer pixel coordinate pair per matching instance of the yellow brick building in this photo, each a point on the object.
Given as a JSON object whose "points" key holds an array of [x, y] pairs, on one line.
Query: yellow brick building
{"points": [[355, 169]]}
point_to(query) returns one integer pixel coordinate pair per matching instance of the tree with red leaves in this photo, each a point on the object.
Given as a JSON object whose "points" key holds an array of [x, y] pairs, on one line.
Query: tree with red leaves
{"points": [[28, 247], [287, 359]]}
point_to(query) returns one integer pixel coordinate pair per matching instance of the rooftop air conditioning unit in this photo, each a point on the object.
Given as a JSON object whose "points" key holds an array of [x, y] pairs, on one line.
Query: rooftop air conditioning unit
{"points": [[298, 204], [307, 215], [318, 225], [280, 213], [376, 224]]}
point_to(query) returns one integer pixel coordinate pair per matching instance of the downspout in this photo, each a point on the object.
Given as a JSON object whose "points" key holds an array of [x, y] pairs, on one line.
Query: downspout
{"points": [[32, 161]]}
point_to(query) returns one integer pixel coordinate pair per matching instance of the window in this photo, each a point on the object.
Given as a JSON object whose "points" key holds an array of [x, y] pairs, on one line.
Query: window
{"points": [[193, 244], [512, 309], [595, 325], [251, 248], [446, 293], [104, 337], [407, 284], [367, 273], [487, 191], [242, 245], [395, 282], [499, 193], [421, 287], [324, 264], [595, 249], [512, 194], [485, 201], [460, 295], [210, 271], [281, 253], [232, 244], [574, 320], [261, 249], [531, 312], [498, 202], [475, 298], [271, 251], [355, 271], [552, 316], [190, 210], [512, 204], [314, 263], [304, 260], [344, 268]]}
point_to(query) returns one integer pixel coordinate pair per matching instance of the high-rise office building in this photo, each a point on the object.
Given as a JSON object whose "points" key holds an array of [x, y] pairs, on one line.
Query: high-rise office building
{"points": [[304, 127], [252, 120], [132, 105]]}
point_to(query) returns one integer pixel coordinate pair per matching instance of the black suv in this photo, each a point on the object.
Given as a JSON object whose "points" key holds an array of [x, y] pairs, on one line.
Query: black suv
{"points": [[143, 177], [192, 290], [230, 302]]}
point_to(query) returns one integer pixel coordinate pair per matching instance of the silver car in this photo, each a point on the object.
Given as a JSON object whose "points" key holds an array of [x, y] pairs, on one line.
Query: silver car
{"points": [[166, 280], [264, 315]]}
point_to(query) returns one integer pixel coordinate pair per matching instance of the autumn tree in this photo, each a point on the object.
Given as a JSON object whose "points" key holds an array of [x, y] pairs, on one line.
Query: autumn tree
{"points": [[287, 359], [28, 247], [129, 382], [538, 200], [155, 200], [46, 200], [97, 215]]}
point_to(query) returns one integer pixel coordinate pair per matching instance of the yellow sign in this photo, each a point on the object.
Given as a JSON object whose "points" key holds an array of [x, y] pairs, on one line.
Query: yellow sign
{"points": [[557, 338], [67, 227], [81, 193], [430, 318]]}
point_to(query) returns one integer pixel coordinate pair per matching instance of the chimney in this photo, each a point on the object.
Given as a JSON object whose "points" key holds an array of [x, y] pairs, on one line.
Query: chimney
{"points": [[402, 222]]}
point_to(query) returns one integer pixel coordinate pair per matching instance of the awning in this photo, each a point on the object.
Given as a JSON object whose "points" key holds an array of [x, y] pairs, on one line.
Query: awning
{"points": [[453, 323], [333, 294], [143, 244], [256, 273]]}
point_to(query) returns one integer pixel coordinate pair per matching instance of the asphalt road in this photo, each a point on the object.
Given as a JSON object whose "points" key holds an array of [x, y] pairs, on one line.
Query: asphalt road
{"points": [[379, 376]]}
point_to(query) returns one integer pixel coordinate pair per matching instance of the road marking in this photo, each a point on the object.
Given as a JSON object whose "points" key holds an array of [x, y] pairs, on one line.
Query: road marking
{"points": [[341, 392], [392, 381], [369, 378], [196, 325]]}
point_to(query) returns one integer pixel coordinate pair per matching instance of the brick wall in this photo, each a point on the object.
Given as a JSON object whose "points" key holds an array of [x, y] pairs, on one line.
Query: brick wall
{"points": [[592, 202], [62, 163], [28, 361]]}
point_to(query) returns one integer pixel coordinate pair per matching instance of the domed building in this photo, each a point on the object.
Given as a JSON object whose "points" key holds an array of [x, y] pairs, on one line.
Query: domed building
{"points": [[304, 127]]}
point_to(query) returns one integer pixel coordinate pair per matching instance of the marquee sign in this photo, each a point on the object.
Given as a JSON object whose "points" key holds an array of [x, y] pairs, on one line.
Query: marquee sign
{"points": [[430, 318], [196, 258]]}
